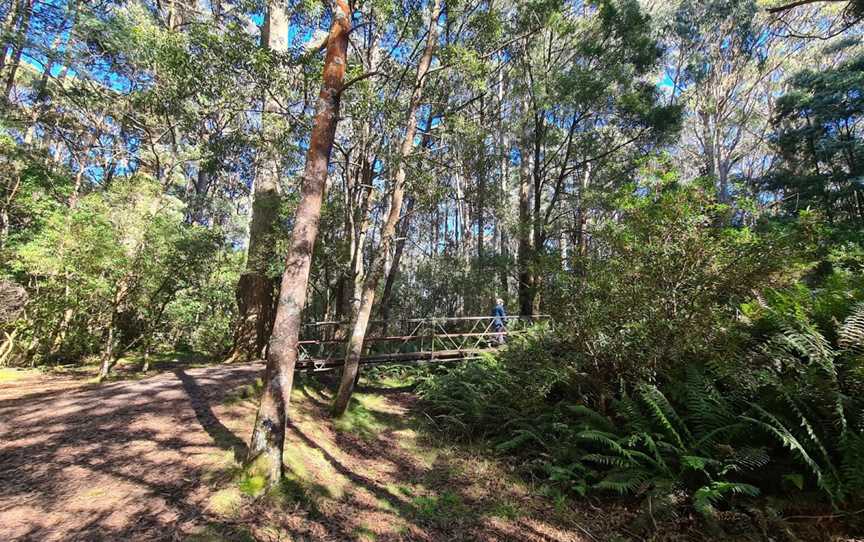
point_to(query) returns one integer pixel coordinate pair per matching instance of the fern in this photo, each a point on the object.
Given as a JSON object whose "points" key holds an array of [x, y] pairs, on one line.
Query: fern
{"points": [[775, 428], [610, 460], [626, 481], [664, 414], [707, 410], [809, 431], [749, 458], [707, 497], [851, 334], [593, 418], [852, 463]]}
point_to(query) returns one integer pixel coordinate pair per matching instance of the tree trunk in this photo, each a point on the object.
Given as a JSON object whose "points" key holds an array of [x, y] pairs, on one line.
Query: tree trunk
{"points": [[108, 356], [526, 222], [504, 144], [268, 435], [9, 19], [480, 167], [18, 46], [386, 296], [355, 343], [42, 94], [255, 290]]}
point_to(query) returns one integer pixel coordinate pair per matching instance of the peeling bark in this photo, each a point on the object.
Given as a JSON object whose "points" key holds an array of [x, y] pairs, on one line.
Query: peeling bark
{"points": [[268, 435], [255, 290]]}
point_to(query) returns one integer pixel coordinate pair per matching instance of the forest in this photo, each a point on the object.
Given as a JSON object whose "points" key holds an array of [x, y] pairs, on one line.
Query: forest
{"points": [[650, 211]]}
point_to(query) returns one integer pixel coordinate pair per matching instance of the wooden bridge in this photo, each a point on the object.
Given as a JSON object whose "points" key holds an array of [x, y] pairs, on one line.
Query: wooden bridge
{"points": [[417, 340]]}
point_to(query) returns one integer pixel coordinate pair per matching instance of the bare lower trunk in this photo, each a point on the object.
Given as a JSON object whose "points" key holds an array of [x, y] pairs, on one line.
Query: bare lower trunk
{"points": [[145, 366], [355, 343], [108, 357], [255, 317], [386, 296], [7, 347], [255, 290], [268, 435], [526, 226], [8, 28]]}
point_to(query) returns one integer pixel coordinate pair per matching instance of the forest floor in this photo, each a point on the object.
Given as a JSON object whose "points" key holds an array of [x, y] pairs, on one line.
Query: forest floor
{"points": [[155, 459]]}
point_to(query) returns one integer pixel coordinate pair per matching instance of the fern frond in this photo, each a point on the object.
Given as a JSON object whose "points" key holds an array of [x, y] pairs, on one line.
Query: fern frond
{"points": [[851, 332], [706, 497], [626, 481], [593, 418], [775, 428], [664, 413]]}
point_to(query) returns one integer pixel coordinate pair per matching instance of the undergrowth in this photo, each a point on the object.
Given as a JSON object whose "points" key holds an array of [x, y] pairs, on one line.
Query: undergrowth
{"points": [[784, 419]]}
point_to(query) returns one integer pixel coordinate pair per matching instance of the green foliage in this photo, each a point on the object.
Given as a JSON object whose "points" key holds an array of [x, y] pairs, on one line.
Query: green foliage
{"points": [[818, 138], [668, 264], [123, 260], [698, 397]]}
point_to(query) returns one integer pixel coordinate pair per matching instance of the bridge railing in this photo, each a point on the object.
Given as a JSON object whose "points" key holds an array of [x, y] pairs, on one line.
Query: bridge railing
{"points": [[411, 339]]}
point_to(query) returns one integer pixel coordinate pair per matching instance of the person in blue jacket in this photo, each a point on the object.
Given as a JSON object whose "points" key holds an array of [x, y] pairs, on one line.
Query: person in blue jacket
{"points": [[499, 324]]}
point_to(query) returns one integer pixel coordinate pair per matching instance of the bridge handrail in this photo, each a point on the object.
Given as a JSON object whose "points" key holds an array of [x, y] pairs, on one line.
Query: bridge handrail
{"points": [[432, 319]]}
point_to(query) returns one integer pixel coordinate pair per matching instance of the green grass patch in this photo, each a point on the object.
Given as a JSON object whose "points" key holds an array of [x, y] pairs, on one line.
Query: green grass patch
{"points": [[362, 417], [226, 502], [8, 374], [364, 533], [504, 510], [245, 393], [441, 508], [253, 484]]}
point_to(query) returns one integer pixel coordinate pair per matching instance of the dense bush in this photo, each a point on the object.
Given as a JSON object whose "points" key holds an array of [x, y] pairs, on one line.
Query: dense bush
{"points": [[116, 270], [793, 422], [718, 373], [665, 282]]}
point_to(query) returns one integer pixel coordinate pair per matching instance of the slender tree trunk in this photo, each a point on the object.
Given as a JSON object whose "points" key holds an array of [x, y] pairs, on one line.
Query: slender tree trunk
{"points": [[386, 296], [18, 46], [481, 194], [42, 94], [504, 143], [255, 290], [355, 343], [108, 355], [526, 222], [359, 234], [9, 19], [268, 435]]}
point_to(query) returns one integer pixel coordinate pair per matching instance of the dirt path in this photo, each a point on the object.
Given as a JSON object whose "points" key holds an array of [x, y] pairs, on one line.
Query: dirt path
{"points": [[154, 459], [121, 461]]}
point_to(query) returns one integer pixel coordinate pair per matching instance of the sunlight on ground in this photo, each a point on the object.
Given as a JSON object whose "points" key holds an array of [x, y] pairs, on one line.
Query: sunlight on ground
{"points": [[375, 472], [8, 374]]}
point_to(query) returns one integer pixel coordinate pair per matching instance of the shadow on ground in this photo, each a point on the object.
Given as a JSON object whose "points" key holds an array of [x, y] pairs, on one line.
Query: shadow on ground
{"points": [[118, 461], [373, 475], [155, 459]]}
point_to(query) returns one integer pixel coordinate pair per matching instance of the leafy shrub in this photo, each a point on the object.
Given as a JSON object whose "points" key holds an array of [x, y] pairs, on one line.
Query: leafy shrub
{"points": [[663, 284], [787, 414]]}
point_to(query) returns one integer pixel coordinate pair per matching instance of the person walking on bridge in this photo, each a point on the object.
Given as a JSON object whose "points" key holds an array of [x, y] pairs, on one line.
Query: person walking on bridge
{"points": [[499, 322]]}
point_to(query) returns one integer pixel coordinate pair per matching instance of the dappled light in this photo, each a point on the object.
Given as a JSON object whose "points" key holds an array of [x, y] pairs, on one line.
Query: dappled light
{"points": [[439, 270]]}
